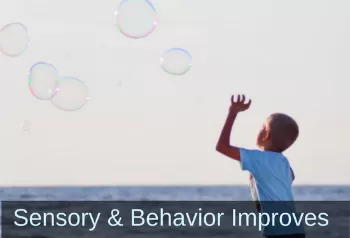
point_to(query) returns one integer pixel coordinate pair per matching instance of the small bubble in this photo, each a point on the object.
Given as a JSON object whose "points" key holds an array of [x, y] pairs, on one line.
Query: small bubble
{"points": [[176, 61], [198, 101], [26, 125], [119, 83]]}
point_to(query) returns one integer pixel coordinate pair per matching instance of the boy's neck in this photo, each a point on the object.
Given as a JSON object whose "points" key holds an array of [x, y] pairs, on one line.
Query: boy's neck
{"points": [[270, 149]]}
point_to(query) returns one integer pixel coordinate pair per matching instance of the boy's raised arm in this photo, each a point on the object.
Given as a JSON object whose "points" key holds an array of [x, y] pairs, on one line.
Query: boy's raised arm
{"points": [[223, 145]]}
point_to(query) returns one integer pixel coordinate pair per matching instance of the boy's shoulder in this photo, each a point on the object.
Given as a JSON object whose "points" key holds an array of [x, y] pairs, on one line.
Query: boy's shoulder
{"points": [[262, 154], [259, 161]]}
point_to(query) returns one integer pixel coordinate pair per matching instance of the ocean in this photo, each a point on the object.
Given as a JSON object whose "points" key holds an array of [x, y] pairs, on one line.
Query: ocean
{"points": [[173, 193], [332, 199]]}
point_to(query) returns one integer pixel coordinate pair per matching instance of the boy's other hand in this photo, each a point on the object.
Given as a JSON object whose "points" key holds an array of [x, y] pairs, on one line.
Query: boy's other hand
{"points": [[239, 105]]}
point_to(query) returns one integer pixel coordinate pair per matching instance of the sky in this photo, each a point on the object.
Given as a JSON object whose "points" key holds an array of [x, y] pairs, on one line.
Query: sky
{"points": [[143, 126]]}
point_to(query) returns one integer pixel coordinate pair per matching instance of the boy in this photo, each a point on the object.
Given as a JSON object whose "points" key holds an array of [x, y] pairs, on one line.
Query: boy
{"points": [[271, 176]]}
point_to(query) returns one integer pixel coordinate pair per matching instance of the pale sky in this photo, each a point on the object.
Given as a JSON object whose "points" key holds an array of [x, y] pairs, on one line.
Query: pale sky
{"points": [[288, 56]]}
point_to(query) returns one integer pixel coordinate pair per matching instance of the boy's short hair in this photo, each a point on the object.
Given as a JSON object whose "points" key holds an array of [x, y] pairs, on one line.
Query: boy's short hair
{"points": [[284, 131]]}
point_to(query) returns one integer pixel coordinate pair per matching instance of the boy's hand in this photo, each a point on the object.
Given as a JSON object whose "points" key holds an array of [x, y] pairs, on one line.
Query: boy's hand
{"points": [[239, 105]]}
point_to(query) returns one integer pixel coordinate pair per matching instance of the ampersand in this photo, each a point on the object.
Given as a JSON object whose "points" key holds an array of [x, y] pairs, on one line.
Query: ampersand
{"points": [[113, 220]]}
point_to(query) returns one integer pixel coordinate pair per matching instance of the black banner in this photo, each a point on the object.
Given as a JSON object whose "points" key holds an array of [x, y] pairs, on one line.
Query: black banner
{"points": [[56, 219]]}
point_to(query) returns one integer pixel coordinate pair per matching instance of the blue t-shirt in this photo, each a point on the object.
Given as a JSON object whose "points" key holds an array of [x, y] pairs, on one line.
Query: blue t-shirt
{"points": [[271, 185]]}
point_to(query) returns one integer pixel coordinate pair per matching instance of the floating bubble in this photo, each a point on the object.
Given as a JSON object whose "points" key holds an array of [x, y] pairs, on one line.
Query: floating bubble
{"points": [[71, 94], [176, 61], [42, 81], [14, 39], [26, 125], [119, 83], [136, 18]]}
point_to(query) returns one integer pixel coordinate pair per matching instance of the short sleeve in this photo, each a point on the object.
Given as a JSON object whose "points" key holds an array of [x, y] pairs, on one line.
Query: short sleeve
{"points": [[252, 160]]}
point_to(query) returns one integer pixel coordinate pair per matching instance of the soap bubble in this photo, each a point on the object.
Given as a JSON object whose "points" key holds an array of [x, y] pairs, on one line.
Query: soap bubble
{"points": [[176, 61], [119, 83], [26, 125], [136, 18], [14, 39], [71, 94], [42, 81]]}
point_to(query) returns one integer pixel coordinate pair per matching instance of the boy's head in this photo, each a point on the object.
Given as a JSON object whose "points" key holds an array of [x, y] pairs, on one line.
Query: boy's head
{"points": [[279, 132]]}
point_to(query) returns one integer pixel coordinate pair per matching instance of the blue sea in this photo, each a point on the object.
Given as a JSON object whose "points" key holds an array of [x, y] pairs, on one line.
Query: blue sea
{"points": [[332, 199], [173, 193]]}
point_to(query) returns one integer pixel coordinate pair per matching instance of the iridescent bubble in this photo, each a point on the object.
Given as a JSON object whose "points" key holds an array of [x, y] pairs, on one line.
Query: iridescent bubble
{"points": [[42, 81], [176, 61], [136, 18], [14, 39], [71, 94]]}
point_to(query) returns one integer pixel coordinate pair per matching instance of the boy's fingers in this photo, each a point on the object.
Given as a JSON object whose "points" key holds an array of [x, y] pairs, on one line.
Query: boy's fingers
{"points": [[240, 99], [249, 102]]}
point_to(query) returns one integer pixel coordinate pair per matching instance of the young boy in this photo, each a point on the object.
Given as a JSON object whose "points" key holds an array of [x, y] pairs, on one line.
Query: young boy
{"points": [[271, 176]]}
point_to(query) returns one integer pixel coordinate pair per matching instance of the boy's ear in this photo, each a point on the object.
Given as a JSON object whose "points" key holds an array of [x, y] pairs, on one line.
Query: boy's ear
{"points": [[267, 136]]}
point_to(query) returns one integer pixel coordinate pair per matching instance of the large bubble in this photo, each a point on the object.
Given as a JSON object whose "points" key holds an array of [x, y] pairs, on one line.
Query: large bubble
{"points": [[136, 18], [71, 94], [42, 80], [14, 39]]}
